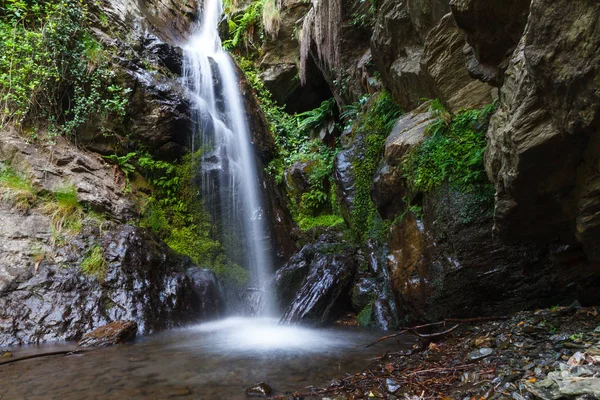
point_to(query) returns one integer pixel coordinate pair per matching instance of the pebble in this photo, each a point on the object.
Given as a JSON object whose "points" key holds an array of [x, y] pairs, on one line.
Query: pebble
{"points": [[481, 353], [392, 386]]}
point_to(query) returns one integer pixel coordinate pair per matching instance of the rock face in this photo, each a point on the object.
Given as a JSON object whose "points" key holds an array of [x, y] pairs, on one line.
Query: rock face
{"points": [[493, 29], [144, 282], [372, 294], [543, 141], [62, 164], [418, 49], [114, 333], [449, 261], [445, 62], [389, 184], [318, 278]]}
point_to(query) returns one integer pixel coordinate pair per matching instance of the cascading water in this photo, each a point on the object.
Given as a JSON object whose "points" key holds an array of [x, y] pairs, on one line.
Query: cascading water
{"points": [[230, 178]]}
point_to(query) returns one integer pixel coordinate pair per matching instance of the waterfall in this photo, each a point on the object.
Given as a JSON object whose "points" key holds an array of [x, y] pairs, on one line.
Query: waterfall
{"points": [[230, 174]]}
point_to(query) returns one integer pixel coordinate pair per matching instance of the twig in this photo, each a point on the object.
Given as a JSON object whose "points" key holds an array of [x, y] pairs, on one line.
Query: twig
{"points": [[52, 353], [457, 368], [434, 335], [414, 329]]}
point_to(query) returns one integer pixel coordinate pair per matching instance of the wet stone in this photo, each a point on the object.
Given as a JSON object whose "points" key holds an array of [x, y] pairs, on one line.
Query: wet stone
{"points": [[261, 389], [392, 386], [480, 353], [114, 333]]}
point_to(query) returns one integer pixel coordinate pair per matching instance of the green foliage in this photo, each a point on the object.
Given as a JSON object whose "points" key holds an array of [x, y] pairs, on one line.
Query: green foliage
{"points": [[53, 72], [320, 116], [374, 126], [243, 26], [65, 210], [175, 212], [364, 317], [292, 133], [307, 222], [453, 152], [16, 189], [94, 263]]}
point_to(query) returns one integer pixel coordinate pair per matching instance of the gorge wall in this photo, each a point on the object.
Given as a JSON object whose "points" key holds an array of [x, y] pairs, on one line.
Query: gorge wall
{"points": [[423, 159]]}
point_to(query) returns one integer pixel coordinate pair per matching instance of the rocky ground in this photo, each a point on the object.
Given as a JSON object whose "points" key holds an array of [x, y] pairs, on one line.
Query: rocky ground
{"points": [[544, 354]]}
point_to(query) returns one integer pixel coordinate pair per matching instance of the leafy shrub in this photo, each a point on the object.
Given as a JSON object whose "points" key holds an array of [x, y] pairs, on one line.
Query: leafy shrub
{"points": [[52, 70]]}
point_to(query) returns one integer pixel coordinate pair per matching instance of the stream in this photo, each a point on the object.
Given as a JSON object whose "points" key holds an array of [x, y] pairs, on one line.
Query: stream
{"points": [[215, 360]]}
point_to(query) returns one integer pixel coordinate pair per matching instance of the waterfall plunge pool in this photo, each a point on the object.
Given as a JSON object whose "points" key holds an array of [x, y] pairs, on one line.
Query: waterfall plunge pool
{"points": [[214, 360]]}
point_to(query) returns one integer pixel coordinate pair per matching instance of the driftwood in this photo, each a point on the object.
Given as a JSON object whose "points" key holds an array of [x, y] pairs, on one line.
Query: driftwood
{"points": [[458, 322], [39, 355]]}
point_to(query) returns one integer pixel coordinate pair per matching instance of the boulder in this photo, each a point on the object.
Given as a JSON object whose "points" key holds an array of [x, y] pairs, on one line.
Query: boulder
{"points": [[329, 269], [438, 272], [116, 332]]}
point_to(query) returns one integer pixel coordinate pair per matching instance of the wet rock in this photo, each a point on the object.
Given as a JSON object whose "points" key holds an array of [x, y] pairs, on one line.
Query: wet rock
{"points": [[162, 115], [158, 51], [323, 294], [171, 21], [481, 353], [261, 389], [114, 333], [145, 282], [344, 178]]}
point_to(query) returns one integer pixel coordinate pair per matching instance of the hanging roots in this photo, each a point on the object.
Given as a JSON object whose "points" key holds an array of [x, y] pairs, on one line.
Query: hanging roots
{"points": [[322, 26]]}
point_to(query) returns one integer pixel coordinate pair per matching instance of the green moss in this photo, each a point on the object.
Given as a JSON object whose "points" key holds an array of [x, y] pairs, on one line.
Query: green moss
{"points": [[452, 152], [94, 263], [307, 223], [175, 212], [374, 127], [365, 316]]}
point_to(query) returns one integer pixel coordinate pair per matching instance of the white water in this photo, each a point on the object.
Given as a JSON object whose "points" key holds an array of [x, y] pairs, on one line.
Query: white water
{"points": [[230, 179], [266, 335]]}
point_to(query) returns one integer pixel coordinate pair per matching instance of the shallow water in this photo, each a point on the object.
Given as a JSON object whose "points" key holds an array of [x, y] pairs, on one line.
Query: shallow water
{"points": [[216, 360]]}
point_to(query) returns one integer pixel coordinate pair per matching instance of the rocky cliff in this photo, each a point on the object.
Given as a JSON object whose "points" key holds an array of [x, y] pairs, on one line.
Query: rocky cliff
{"points": [[84, 232], [483, 212]]}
